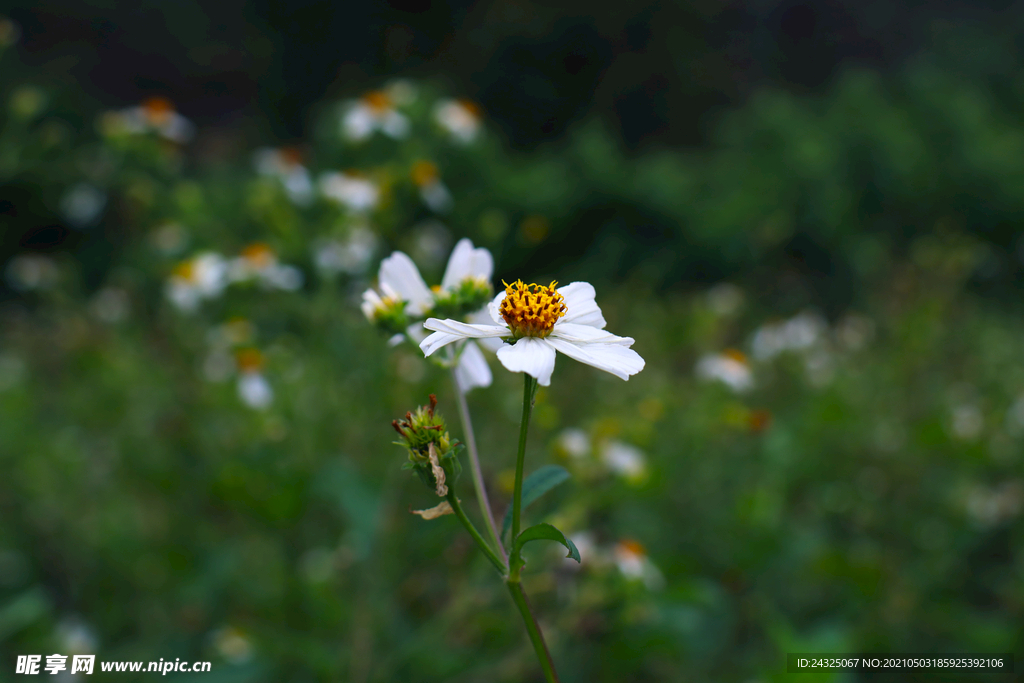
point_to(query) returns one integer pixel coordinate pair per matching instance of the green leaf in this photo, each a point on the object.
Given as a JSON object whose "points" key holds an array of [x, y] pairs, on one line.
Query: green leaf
{"points": [[535, 486], [538, 532]]}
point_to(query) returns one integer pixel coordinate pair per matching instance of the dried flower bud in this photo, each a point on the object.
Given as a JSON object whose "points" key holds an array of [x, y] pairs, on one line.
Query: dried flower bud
{"points": [[432, 452]]}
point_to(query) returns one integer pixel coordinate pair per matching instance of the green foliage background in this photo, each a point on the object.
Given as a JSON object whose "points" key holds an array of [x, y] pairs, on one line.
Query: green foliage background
{"points": [[865, 495]]}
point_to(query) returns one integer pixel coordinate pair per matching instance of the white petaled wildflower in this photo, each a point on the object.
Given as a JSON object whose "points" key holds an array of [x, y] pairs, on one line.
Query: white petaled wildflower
{"points": [[375, 111], [76, 636], [253, 387], [356, 193], [623, 459], [461, 118], [796, 334], [202, 277], [632, 561], [535, 322], [82, 205], [400, 280], [729, 367], [232, 645], [31, 272], [156, 115], [258, 262], [574, 442], [351, 255], [432, 191], [285, 164]]}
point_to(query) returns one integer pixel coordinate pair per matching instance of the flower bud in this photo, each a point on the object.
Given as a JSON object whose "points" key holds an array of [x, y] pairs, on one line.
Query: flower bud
{"points": [[472, 294], [432, 452]]}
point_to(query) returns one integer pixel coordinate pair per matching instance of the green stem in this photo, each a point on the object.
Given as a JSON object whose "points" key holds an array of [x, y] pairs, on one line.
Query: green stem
{"points": [[474, 466], [487, 550], [529, 387], [536, 637]]}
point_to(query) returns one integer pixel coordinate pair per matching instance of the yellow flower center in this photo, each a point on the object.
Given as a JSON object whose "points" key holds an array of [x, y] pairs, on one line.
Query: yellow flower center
{"points": [[531, 310]]}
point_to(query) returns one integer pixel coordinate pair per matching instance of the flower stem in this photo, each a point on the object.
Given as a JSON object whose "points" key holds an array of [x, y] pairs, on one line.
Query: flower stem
{"points": [[536, 637], [487, 550], [474, 466], [529, 388]]}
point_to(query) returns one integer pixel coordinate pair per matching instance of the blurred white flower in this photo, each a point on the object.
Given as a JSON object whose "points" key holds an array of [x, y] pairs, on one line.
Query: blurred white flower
{"points": [[155, 115], [258, 261], [574, 442], [400, 280], [110, 304], [82, 205], [202, 277], [461, 118], [632, 561], [432, 191], [729, 367], [75, 636], [285, 164], [253, 388], [992, 505], [725, 299], [796, 334], [351, 255], [31, 272], [356, 193], [375, 111], [232, 645], [623, 459], [966, 421]]}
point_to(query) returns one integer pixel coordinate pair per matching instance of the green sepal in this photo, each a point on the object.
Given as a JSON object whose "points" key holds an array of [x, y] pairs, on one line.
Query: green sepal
{"points": [[535, 486], [538, 532]]}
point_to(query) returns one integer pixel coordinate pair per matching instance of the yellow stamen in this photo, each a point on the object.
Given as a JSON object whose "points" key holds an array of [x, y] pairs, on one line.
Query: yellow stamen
{"points": [[249, 360], [158, 110], [736, 355], [186, 270], [378, 101], [531, 310]]}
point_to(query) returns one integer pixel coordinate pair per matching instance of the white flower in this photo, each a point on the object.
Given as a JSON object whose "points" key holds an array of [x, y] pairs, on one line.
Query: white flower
{"points": [[82, 205], [729, 367], [351, 255], [796, 334], [358, 194], [632, 561], [202, 277], [400, 280], [373, 112], [28, 272], [461, 118], [574, 442], [432, 191], [285, 164], [623, 459], [259, 262], [155, 115], [253, 388], [538, 321]]}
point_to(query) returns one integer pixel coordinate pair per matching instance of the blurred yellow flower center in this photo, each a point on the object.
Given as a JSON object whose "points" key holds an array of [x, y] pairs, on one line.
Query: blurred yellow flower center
{"points": [[531, 310], [249, 360], [186, 270], [258, 254], [377, 100], [424, 173]]}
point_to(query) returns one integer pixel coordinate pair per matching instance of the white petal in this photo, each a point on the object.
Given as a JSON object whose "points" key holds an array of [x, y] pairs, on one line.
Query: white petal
{"points": [[585, 334], [492, 308], [466, 262], [618, 360], [482, 317], [400, 273], [580, 305], [447, 331], [535, 357], [472, 370]]}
